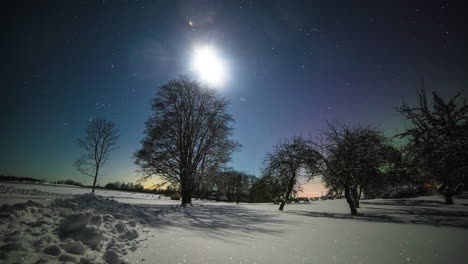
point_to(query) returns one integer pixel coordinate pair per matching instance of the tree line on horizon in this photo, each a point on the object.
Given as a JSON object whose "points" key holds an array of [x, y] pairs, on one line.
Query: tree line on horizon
{"points": [[188, 143]]}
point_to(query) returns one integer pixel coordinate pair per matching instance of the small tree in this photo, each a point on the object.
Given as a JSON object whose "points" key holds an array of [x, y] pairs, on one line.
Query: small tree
{"points": [[99, 142], [206, 185], [290, 161], [187, 137], [353, 156], [260, 191], [438, 138], [225, 184], [233, 184], [242, 185]]}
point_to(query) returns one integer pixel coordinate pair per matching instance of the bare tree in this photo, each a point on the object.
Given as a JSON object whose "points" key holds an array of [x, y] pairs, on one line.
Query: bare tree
{"points": [[99, 142], [225, 184], [260, 189], [353, 156], [233, 184], [242, 185], [290, 161], [438, 138], [187, 136]]}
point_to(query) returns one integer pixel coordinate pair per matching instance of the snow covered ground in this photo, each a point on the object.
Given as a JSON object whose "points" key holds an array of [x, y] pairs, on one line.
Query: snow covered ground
{"points": [[140, 228]]}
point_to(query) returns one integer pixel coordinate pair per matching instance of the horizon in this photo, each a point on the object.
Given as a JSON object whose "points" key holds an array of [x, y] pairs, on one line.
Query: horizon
{"points": [[312, 188]]}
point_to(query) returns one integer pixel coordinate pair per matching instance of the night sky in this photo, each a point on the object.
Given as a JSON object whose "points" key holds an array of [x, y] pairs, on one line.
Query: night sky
{"points": [[291, 66]]}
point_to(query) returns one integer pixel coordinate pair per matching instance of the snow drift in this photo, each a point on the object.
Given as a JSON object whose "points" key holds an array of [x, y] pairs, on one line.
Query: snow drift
{"points": [[82, 229]]}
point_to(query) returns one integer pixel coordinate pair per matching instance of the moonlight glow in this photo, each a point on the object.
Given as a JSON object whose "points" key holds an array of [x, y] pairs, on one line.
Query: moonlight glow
{"points": [[210, 67]]}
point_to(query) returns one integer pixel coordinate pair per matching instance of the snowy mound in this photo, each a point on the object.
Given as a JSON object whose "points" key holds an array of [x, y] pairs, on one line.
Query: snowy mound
{"points": [[82, 229], [97, 203]]}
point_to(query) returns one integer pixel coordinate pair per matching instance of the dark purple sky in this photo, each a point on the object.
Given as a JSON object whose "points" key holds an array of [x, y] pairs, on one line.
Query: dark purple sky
{"points": [[292, 65]]}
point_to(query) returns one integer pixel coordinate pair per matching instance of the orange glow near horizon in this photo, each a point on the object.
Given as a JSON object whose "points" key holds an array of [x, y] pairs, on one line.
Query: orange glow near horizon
{"points": [[313, 189], [149, 184]]}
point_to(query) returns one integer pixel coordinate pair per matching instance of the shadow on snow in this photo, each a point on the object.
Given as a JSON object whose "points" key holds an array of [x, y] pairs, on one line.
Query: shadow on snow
{"points": [[402, 211], [222, 222]]}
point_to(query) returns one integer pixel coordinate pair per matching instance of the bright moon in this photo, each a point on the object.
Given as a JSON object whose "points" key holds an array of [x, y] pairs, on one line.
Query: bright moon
{"points": [[210, 67]]}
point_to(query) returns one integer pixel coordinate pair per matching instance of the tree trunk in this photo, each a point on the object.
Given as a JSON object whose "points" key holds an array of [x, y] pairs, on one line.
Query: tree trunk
{"points": [[238, 198], [282, 205], [186, 190], [349, 199], [447, 190], [355, 194], [448, 196], [95, 178], [288, 193], [186, 197]]}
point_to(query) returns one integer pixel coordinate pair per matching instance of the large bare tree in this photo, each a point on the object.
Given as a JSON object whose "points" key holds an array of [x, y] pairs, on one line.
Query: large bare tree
{"points": [[187, 136], [100, 140]]}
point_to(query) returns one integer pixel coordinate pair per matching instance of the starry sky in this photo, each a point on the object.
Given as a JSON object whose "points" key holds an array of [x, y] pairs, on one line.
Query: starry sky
{"points": [[292, 65]]}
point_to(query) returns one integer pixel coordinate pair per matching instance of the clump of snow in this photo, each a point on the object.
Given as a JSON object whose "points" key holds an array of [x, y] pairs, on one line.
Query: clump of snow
{"points": [[67, 258], [132, 223], [130, 234], [120, 226], [53, 250], [95, 220], [91, 236], [80, 229], [112, 257], [74, 223], [73, 247]]}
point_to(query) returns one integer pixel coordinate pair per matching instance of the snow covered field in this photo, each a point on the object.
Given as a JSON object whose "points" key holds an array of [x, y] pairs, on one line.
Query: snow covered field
{"points": [[145, 229]]}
